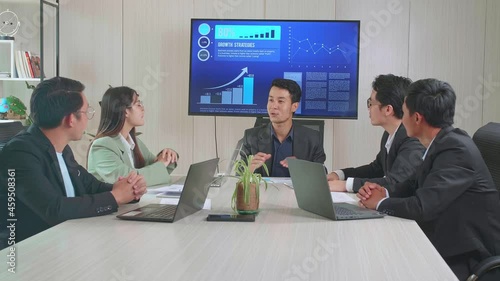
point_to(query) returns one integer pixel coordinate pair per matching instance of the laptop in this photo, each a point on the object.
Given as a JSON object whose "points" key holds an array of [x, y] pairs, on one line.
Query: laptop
{"points": [[313, 193], [192, 198], [220, 179]]}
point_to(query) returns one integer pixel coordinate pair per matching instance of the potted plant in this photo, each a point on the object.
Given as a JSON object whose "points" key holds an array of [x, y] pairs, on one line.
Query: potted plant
{"points": [[13, 108], [245, 198], [17, 109]]}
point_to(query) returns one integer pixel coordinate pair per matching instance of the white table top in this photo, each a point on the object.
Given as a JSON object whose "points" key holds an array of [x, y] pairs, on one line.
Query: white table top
{"points": [[284, 243]]}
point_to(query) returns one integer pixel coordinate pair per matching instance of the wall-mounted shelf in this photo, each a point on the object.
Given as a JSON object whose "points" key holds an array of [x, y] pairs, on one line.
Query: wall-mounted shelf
{"points": [[21, 79], [8, 51]]}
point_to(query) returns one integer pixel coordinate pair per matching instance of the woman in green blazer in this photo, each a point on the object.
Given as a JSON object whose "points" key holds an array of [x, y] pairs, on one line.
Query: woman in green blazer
{"points": [[116, 150]]}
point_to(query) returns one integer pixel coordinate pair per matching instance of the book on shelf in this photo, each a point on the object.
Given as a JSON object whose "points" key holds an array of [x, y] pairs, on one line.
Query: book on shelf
{"points": [[27, 64], [18, 62], [35, 65]]}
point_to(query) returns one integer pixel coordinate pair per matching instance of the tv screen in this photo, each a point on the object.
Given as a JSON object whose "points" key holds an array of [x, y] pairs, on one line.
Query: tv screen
{"points": [[233, 63]]}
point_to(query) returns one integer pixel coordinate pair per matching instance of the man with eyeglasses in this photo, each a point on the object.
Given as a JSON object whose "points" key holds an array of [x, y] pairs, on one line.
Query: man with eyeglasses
{"points": [[39, 170], [399, 154], [452, 196]]}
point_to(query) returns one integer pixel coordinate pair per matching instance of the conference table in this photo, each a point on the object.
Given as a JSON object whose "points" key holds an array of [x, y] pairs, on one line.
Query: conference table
{"points": [[284, 243]]}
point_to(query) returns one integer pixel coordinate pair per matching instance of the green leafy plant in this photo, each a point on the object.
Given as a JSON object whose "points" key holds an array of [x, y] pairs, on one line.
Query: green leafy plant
{"points": [[30, 87], [17, 107], [29, 121], [246, 178]]}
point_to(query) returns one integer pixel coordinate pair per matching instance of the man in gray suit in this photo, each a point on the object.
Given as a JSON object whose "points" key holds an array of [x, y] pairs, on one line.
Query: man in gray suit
{"points": [[452, 195], [281, 138]]}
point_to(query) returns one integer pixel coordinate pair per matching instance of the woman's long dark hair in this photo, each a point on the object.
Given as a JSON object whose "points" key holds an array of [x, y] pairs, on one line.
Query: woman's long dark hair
{"points": [[113, 105]]}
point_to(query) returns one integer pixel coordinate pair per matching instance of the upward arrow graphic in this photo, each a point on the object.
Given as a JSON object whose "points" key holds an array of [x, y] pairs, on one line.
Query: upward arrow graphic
{"points": [[243, 71]]}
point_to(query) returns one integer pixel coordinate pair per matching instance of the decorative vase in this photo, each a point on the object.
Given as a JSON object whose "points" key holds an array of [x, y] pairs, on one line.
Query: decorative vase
{"points": [[252, 205]]}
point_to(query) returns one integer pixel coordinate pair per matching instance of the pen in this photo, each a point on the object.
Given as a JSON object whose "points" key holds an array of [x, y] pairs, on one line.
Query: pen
{"points": [[268, 180]]}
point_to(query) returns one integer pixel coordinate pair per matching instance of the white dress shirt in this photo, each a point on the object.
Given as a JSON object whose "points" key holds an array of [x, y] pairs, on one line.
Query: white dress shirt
{"points": [[68, 185], [350, 181], [129, 147], [423, 158]]}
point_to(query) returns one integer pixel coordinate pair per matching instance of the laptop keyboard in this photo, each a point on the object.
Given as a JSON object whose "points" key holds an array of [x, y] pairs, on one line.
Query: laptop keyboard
{"points": [[341, 211], [167, 211]]}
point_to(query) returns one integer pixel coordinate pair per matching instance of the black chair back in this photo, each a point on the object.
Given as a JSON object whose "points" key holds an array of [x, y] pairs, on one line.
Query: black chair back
{"points": [[487, 139], [9, 130], [317, 125]]}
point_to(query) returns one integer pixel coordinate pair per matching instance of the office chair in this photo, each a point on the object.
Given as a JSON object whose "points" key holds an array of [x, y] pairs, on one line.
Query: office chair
{"points": [[317, 125], [487, 139], [9, 130]]}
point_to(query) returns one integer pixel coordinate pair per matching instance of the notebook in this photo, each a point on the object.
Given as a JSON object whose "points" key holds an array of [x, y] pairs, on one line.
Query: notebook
{"points": [[313, 193], [192, 198], [219, 180]]}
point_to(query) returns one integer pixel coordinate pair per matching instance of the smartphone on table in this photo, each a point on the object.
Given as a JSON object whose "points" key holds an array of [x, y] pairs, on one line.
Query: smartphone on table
{"points": [[231, 217]]}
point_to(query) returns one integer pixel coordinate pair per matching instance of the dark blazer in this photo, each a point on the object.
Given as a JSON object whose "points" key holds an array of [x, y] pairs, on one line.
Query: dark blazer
{"points": [[40, 195], [404, 156], [452, 197], [307, 144]]}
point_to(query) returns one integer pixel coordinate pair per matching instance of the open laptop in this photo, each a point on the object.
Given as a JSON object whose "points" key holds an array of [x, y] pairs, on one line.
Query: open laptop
{"points": [[219, 180], [192, 198], [313, 193]]}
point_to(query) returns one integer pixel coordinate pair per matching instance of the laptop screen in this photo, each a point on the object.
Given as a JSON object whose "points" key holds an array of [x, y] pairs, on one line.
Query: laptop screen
{"points": [[236, 153]]}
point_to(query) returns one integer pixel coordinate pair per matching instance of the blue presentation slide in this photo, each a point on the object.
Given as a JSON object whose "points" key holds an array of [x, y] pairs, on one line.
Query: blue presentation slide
{"points": [[233, 63]]}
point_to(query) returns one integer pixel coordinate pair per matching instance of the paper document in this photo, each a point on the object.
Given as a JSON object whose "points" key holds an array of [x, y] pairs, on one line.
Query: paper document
{"points": [[284, 181], [278, 180], [341, 197], [164, 188], [175, 201], [169, 194]]}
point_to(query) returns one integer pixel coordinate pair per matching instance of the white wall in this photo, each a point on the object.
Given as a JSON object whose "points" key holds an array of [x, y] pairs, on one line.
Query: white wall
{"points": [[147, 47], [383, 49], [491, 82], [447, 43]]}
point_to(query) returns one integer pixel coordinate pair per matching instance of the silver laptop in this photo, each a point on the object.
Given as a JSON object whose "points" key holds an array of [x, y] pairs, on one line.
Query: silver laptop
{"points": [[218, 181], [192, 198], [313, 193]]}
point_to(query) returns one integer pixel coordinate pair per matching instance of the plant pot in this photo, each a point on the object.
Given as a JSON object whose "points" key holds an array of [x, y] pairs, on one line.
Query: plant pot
{"points": [[12, 116], [252, 205]]}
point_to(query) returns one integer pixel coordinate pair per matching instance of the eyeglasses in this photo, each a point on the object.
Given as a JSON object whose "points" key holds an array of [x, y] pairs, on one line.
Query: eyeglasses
{"points": [[138, 102], [369, 103], [89, 112]]}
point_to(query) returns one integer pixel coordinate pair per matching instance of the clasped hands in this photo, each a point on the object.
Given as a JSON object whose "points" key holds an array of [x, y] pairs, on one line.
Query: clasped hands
{"points": [[129, 188], [370, 194]]}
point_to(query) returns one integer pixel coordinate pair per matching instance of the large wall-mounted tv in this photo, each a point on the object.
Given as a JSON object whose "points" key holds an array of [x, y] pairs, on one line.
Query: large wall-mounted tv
{"points": [[233, 63]]}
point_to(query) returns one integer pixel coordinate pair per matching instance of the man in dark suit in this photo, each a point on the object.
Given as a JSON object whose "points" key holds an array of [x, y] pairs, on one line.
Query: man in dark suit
{"points": [[39, 171], [399, 154], [281, 138], [452, 195]]}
